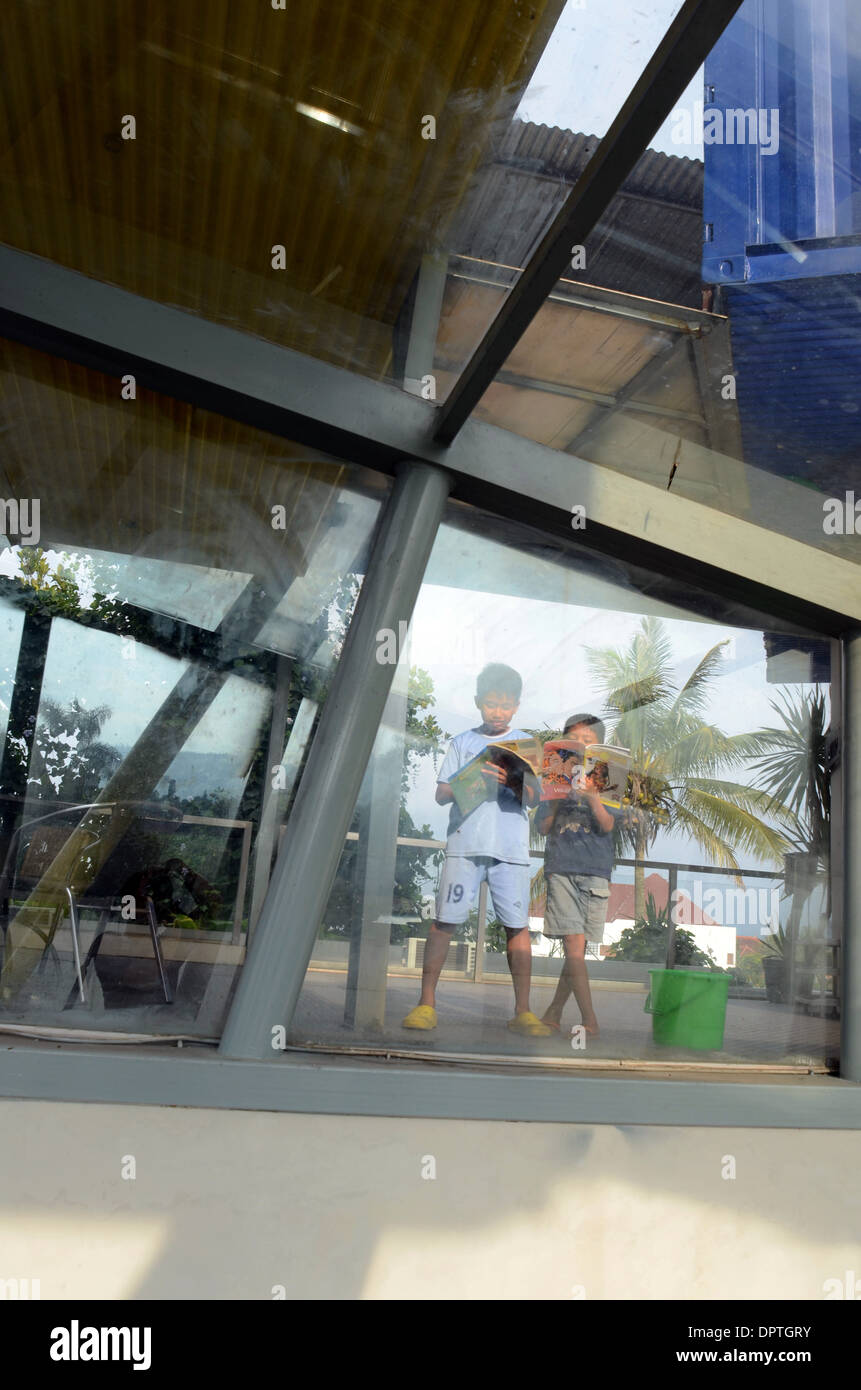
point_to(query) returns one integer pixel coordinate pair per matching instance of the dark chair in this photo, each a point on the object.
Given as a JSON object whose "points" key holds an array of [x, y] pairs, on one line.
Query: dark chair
{"points": [[32, 854]]}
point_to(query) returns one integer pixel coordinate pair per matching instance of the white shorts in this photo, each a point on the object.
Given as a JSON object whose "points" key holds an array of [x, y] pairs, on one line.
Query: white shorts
{"points": [[460, 882]]}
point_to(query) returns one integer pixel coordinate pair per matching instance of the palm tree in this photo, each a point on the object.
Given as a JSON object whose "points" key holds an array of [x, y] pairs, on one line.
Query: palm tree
{"points": [[680, 761], [794, 768], [69, 761]]}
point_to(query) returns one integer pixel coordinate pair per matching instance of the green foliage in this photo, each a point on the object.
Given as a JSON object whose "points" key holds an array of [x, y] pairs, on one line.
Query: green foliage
{"points": [[749, 971], [777, 944], [424, 736], [794, 767], [69, 763], [57, 593], [212, 803], [494, 935], [649, 937]]}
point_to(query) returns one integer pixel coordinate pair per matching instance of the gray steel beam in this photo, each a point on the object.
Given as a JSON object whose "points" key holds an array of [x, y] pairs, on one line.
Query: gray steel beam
{"points": [[286, 393], [307, 861], [684, 47], [424, 327], [850, 767], [269, 802], [376, 863]]}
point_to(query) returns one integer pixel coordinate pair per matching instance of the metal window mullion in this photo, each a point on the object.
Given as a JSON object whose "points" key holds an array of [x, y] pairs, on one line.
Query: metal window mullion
{"points": [[307, 862], [850, 785]]}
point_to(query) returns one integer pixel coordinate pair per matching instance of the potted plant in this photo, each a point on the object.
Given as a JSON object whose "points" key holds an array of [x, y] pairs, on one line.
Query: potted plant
{"points": [[775, 963], [796, 768]]}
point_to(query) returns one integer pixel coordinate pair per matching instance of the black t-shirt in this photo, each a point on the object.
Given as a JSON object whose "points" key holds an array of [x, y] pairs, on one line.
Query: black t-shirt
{"points": [[576, 844]]}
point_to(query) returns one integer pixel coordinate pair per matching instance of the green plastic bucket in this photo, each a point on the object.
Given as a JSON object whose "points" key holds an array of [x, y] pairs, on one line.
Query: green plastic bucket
{"points": [[688, 1008]]}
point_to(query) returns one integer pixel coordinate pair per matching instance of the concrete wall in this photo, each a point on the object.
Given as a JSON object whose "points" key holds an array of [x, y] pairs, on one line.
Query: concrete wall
{"points": [[228, 1205]]}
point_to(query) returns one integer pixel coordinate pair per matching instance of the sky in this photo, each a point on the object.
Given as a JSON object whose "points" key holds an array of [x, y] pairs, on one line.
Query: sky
{"points": [[593, 58], [456, 630], [546, 641]]}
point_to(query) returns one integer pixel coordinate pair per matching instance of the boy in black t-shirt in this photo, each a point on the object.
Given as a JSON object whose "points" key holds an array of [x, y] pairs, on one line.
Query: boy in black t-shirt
{"points": [[577, 868]]}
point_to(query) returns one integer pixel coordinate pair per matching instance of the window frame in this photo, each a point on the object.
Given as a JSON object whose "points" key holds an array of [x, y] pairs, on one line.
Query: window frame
{"points": [[48, 308]]}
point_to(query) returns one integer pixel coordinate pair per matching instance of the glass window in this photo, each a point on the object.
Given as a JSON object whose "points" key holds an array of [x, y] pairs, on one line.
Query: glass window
{"points": [[703, 338], [174, 605], [279, 168], [301, 172], [685, 915]]}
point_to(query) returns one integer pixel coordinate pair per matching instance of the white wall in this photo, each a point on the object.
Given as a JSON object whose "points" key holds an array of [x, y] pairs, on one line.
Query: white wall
{"points": [[228, 1204], [721, 941]]}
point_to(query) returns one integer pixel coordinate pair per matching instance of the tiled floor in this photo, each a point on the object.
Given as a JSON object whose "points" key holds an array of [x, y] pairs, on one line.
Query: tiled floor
{"points": [[472, 1018]]}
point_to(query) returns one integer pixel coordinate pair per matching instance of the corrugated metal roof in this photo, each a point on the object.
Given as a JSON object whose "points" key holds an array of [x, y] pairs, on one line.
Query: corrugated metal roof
{"points": [[648, 243]]}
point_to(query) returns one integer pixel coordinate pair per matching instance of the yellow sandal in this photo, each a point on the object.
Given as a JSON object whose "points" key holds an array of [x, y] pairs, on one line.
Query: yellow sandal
{"points": [[422, 1016], [530, 1026]]}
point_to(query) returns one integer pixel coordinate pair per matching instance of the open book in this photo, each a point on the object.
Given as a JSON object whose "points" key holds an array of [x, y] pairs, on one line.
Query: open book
{"points": [[601, 768], [518, 756]]}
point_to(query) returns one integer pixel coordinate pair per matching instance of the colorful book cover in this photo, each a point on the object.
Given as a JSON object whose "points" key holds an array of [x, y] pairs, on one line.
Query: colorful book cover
{"points": [[600, 767], [518, 756]]}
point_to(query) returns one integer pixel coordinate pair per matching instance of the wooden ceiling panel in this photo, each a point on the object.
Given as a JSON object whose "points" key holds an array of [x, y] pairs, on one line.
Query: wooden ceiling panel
{"points": [[256, 127]]}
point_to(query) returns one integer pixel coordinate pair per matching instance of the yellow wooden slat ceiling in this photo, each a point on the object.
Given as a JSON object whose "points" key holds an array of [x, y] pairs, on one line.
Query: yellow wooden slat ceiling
{"points": [[225, 166]]}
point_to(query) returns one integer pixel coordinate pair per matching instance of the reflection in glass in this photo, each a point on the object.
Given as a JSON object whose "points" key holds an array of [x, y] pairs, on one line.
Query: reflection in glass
{"points": [[720, 858], [704, 339], [171, 636]]}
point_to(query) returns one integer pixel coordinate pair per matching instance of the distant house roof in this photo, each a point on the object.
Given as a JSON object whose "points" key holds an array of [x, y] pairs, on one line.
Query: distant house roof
{"points": [[749, 946], [621, 904], [687, 912], [649, 242]]}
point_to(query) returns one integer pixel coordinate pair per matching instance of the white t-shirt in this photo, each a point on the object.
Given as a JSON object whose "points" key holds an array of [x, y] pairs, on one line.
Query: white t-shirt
{"points": [[499, 828]]}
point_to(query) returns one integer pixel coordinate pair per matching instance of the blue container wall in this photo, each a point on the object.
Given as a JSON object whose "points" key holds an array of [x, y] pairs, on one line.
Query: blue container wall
{"points": [[796, 350], [783, 230], [795, 66]]}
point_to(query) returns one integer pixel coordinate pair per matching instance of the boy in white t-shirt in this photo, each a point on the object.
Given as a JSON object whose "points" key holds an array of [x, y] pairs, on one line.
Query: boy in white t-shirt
{"points": [[491, 843]]}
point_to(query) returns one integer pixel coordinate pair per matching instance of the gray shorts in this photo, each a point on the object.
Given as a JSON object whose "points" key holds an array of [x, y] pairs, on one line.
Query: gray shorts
{"points": [[576, 905]]}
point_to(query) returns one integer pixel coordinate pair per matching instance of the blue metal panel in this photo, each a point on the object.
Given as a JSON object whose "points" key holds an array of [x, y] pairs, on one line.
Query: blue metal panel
{"points": [[795, 66], [784, 233], [797, 358], [807, 260], [729, 191]]}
